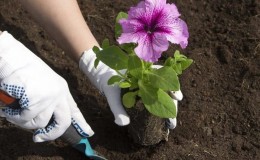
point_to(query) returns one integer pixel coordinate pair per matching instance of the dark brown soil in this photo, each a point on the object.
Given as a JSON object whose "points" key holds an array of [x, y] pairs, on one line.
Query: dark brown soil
{"points": [[146, 129], [219, 117]]}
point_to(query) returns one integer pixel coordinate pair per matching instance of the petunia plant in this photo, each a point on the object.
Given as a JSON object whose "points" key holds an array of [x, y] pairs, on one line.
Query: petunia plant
{"points": [[143, 34]]}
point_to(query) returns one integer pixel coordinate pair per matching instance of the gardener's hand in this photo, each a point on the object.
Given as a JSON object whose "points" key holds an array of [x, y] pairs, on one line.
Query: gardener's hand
{"points": [[42, 93], [176, 96], [99, 77]]}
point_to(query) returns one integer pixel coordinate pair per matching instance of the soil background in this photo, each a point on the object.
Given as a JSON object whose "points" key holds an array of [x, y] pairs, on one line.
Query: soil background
{"points": [[219, 117]]}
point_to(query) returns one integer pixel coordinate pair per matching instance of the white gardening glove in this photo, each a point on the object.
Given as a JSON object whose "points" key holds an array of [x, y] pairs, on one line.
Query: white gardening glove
{"points": [[42, 93], [176, 96], [99, 77]]}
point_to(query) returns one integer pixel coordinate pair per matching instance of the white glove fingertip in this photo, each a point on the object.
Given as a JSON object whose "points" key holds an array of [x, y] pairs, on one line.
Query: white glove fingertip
{"points": [[89, 131], [38, 139], [122, 120], [82, 127], [172, 123], [78, 120], [177, 95], [113, 97]]}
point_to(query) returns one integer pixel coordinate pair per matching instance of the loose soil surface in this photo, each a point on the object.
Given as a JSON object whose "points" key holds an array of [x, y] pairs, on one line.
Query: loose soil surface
{"points": [[219, 117]]}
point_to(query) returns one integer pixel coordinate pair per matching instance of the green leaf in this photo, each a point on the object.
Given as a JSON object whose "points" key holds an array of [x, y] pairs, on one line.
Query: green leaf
{"points": [[164, 78], [147, 65], [105, 43], [113, 57], [95, 49], [118, 28], [96, 63], [128, 47], [134, 83], [156, 101], [185, 64], [135, 66], [129, 99], [179, 57], [121, 15], [169, 61], [178, 68], [124, 84], [114, 79], [163, 107], [147, 93]]}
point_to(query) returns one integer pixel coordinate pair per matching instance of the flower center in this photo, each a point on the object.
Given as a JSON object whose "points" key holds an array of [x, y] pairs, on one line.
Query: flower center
{"points": [[149, 29]]}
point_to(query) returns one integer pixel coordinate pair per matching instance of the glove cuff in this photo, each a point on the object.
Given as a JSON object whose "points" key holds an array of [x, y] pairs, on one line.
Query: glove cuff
{"points": [[86, 65], [86, 58], [7, 43], [97, 75], [13, 55]]}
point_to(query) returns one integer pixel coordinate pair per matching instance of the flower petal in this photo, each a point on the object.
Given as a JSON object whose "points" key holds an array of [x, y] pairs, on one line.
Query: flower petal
{"points": [[132, 30], [137, 12], [178, 32], [150, 47], [160, 42], [152, 4], [171, 10], [167, 18], [153, 10]]}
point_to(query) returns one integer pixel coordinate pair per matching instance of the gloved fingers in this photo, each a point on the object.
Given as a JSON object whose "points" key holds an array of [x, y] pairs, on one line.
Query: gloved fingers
{"points": [[22, 109], [21, 115], [176, 95], [78, 121], [176, 104], [11, 115], [113, 95], [61, 121], [40, 121], [171, 123]]}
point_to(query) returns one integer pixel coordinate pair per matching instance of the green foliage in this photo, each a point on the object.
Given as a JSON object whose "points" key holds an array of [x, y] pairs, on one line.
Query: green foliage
{"points": [[140, 78], [129, 99], [114, 57], [105, 43], [118, 28], [163, 107], [164, 78], [179, 62], [135, 66], [114, 79]]}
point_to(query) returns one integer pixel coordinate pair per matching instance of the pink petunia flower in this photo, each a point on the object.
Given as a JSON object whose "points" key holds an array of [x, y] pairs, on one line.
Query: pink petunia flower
{"points": [[152, 24]]}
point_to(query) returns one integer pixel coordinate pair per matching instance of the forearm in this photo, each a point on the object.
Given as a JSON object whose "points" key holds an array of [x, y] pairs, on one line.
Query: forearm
{"points": [[63, 20]]}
